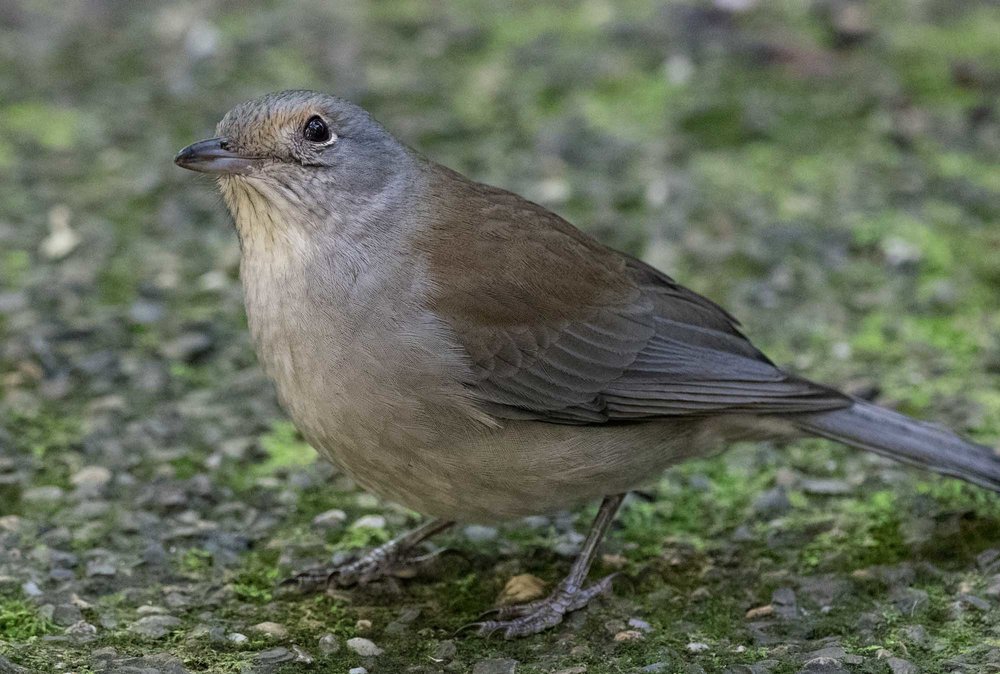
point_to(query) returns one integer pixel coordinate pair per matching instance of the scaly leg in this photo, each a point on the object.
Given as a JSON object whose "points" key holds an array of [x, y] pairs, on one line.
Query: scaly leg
{"points": [[570, 595], [376, 563]]}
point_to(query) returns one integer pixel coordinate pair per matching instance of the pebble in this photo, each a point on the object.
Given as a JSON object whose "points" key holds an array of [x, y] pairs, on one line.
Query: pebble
{"points": [[901, 666], [188, 347], [274, 656], [784, 604], [974, 602], [270, 629], [81, 630], [328, 643], [772, 503], [65, 615], [640, 625], [760, 612], [44, 494], [237, 638], [91, 477], [823, 666], [478, 533], [8, 667], [154, 626], [364, 647], [369, 522], [357, 670], [444, 651], [697, 647], [495, 666], [101, 567], [331, 519], [520, 589], [826, 487], [656, 667]]}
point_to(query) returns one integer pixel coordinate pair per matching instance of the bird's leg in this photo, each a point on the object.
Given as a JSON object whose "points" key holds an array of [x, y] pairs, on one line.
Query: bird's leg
{"points": [[524, 619], [385, 560]]}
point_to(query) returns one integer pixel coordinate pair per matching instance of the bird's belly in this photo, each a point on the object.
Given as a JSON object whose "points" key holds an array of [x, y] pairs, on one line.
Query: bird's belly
{"points": [[524, 468]]}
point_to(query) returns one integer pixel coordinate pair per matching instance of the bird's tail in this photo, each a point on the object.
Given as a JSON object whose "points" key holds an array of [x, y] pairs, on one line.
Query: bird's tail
{"points": [[899, 437]]}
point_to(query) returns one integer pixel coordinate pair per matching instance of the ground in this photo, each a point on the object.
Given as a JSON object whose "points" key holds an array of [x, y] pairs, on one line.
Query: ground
{"points": [[826, 170]]}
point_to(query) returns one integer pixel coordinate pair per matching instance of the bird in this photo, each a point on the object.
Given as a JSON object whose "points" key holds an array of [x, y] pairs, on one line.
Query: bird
{"points": [[465, 352]]}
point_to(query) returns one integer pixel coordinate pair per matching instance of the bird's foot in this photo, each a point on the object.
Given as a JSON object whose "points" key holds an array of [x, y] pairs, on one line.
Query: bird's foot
{"points": [[385, 561], [524, 619]]}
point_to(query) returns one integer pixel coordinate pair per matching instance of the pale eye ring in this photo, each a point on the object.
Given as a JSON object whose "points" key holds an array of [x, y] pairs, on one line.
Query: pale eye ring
{"points": [[317, 130]]}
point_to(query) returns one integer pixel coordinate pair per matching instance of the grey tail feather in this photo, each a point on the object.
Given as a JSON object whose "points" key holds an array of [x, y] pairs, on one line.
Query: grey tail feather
{"points": [[899, 437]]}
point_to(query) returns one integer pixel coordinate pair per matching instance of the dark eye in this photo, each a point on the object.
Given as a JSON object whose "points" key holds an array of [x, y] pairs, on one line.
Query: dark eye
{"points": [[316, 130]]}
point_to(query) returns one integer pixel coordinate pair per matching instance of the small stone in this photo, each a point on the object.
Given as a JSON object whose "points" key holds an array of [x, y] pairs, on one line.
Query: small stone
{"points": [[697, 647], [188, 347], [639, 624], [915, 634], [823, 666], [270, 629], [901, 666], [613, 561], [772, 503], [444, 651], [480, 534], [369, 522], [44, 494], [65, 615], [784, 604], [364, 647], [579, 669], [520, 589], [357, 670], [828, 653], [154, 626], [8, 667], [301, 655], [91, 478], [81, 630], [975, 602], [11, 523], [656, 667], [328, 644], [274, 656], [629, 635], [331, 519], [237, 638], [988, 560], [495, 666], [826, 487], [363, 625], [31, 589], [62, 239], [101, 567], [760, 612]]}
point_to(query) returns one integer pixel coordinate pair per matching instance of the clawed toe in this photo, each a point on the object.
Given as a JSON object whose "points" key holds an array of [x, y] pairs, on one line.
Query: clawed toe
{"points": [[525, 619]]}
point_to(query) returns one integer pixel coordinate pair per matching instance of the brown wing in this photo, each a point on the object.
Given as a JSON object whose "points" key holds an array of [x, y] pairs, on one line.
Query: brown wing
{"points": [[561, 328]]}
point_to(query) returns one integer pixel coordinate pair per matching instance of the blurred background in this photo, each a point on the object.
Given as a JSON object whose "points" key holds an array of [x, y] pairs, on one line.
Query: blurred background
{"points": [[827, 170]]}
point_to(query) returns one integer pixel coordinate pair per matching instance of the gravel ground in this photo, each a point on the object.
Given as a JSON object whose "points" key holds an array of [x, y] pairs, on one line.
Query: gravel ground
{"points": [[826, 170]]}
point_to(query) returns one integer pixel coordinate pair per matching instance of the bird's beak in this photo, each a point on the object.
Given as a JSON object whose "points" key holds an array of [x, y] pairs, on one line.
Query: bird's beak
{"points": [[212, 156]]}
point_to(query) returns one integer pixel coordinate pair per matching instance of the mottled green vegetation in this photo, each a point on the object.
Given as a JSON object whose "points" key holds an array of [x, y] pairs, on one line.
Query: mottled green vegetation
{"points": [[19, 621]]}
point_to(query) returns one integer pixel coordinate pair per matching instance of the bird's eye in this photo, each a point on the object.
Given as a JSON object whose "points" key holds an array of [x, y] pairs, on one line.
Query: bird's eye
{"points": [[316, 130]]}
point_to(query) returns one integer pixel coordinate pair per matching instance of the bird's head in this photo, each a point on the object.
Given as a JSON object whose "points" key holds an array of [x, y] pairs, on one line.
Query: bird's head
{"points": [[301, 154]]}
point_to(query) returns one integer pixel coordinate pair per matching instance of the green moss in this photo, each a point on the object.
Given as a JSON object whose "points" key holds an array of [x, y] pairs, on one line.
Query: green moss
{"points": [[285, 448], [20, 621], [255, 580]]}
